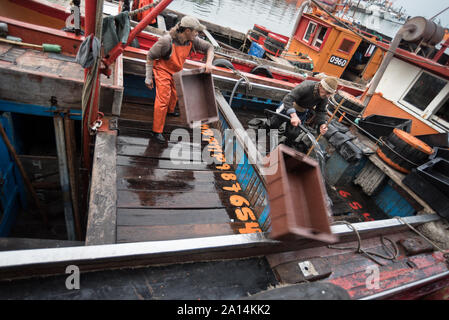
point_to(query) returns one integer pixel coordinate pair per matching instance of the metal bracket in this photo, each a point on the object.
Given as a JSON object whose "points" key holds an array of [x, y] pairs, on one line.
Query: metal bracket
{"points": [[93, 130], [113, 124], [307, 269]]}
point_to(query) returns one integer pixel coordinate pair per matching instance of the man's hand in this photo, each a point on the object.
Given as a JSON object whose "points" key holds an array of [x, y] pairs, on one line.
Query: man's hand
{"points": [[149, 83], [323, 129], [208, 68], [295, 121]]}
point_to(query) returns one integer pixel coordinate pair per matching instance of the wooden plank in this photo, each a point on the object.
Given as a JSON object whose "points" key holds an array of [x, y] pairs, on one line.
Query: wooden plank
{"points": [[101, 224], [8, 244], [144, 141], [161, 163], [163, 199], [211, 39], [173, 232], [159, 151], [33, 81], [154, 217], [118, 82], [161, 23], [171, 185], [144, 126], [157, 174]]}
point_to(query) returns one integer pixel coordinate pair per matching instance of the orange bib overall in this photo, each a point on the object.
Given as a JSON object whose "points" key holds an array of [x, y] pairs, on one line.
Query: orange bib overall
{"points": [[165, 87]]}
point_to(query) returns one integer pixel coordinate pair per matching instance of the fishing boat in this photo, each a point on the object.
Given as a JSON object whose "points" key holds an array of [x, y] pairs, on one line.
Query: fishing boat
{"points": [[153, 208]]}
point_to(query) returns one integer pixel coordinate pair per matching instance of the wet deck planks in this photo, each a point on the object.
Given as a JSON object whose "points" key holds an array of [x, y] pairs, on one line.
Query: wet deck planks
{"points": [[163, 192]]}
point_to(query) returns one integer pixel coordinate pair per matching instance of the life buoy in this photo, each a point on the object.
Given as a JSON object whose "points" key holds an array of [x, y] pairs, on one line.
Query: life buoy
{"points": [[403, 151], [353, 105]]}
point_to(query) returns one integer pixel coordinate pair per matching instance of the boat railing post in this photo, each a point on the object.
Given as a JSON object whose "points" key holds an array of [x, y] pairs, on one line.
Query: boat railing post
{"points": [[298, 19], [119, 48]]}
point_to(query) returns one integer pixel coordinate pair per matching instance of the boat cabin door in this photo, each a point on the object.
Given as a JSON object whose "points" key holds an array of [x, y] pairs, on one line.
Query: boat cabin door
{"points": [[364, 63], [340, 54]]}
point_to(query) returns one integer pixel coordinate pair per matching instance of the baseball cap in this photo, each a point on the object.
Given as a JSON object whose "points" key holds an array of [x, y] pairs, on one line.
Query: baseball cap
{"points": [[191, 22]]}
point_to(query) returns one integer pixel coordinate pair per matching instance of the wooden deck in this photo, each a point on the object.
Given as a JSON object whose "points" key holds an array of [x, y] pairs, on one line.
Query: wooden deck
{"points": [[52, 80], [159, 198]]}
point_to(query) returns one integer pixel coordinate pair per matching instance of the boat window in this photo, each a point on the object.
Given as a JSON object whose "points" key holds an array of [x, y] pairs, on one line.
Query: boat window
{"points": [[442, 115], [346, 46], [310, 30], [424, 91], [319, 38]]}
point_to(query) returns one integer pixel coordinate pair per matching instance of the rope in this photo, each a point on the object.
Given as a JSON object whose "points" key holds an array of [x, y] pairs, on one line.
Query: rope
{"points": [[90, 85], [249, 86], [144, 8], [444, 252], [392, 253]]}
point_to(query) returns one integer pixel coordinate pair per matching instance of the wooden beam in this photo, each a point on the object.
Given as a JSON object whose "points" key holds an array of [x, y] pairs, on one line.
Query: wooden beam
{"points": [[64, 176], [101, 224], [70, 143], [211, 39]]}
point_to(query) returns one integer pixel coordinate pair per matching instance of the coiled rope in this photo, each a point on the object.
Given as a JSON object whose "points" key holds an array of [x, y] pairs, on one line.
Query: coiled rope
{"points": [[392, 253]]}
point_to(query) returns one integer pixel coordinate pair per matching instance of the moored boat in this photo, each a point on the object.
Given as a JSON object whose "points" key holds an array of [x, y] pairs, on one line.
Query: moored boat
{"points": [[146, 210]]}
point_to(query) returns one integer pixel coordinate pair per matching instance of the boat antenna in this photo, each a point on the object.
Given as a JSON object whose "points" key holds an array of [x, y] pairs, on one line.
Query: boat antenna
{"points": [[438, 14]]}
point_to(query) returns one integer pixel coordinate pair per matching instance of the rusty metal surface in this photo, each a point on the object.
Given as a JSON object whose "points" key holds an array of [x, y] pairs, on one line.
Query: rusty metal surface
{"points": [[413, 246]]}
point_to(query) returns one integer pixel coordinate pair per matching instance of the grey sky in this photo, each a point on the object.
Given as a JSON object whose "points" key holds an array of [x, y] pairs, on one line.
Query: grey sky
{"points": [[427, 9]]}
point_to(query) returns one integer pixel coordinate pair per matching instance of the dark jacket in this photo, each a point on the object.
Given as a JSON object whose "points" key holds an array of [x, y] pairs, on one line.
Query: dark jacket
{"points": [[307, 96]]}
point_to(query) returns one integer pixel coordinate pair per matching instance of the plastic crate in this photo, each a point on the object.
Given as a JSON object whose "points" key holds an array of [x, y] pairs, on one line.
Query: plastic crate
{"points": [[256, 50], [436, 172], [436, 140], [196, 96], [382, 126], [297, 197], [428, 192]]}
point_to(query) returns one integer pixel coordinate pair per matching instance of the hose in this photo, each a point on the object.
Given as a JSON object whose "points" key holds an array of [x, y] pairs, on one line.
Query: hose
{"points": [[233, 90]]}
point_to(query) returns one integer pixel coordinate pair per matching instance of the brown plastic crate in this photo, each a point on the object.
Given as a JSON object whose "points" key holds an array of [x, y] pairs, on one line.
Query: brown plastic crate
{"points": [[196, 96], [297, 198]]}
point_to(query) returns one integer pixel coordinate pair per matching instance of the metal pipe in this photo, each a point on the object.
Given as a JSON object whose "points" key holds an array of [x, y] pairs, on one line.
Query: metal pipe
{"points": [[386, 61], [64, 176], [298, 19], [89, 16], [119, 48]]}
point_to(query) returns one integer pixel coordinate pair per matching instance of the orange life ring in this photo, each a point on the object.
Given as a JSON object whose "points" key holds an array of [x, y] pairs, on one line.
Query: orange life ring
{"points": [[413, 141], [390, 162]]}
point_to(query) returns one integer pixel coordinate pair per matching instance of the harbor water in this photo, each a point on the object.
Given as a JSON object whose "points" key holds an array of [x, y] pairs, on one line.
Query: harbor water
{"points": [[276, 15]]}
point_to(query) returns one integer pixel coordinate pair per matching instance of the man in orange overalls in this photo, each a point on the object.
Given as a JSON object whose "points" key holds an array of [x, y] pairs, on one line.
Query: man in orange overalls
{"points": [[166, 57]]}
